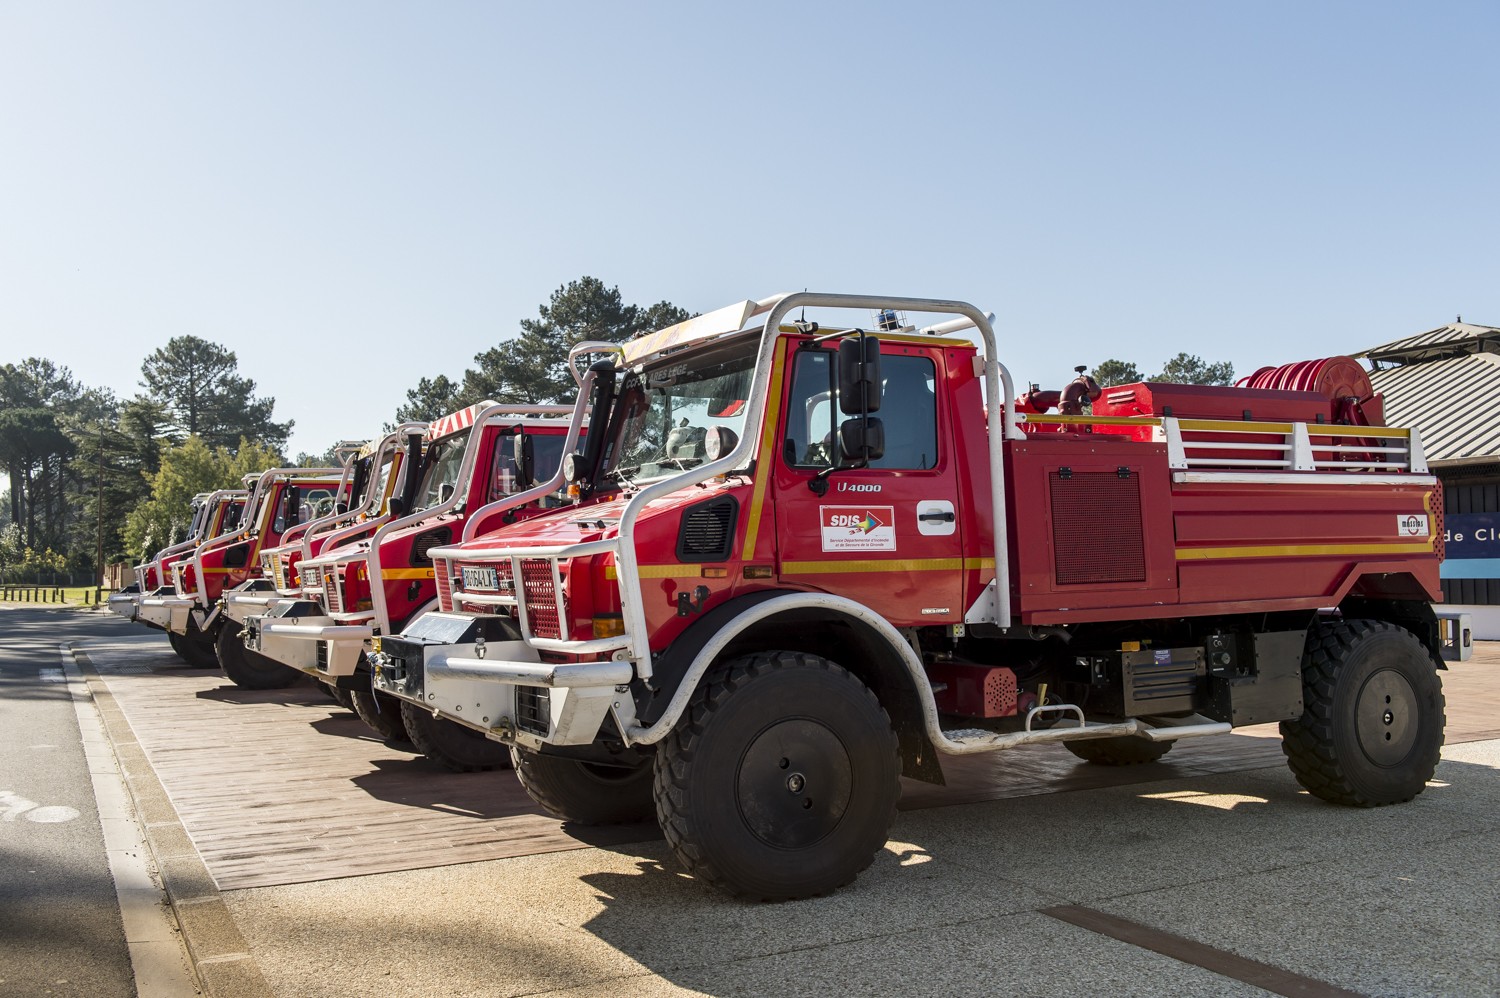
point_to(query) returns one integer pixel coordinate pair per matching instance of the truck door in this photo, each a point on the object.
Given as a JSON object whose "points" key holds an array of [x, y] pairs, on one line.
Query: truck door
{"points": [[888, 535]]}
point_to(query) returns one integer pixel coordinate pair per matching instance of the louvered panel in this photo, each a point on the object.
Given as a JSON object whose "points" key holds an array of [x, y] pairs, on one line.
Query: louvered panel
{"points": [[333, 589], [1097, 534], [442, 574], [707, 532], [541, 598]]}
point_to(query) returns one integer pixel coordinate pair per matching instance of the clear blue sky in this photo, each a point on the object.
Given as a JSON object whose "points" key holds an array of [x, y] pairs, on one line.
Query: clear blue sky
{"points": [[365, 193]]}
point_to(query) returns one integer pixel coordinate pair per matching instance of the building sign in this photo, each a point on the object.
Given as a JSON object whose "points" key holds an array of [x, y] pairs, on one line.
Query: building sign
{"points": [[1472, 546]]}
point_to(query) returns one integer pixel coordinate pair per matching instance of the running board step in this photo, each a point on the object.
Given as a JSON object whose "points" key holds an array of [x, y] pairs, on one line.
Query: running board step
{"points": [[969, 741]]}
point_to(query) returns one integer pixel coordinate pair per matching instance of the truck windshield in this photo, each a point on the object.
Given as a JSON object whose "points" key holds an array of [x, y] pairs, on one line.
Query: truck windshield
{"points": [[669, 410], [443, 463]]}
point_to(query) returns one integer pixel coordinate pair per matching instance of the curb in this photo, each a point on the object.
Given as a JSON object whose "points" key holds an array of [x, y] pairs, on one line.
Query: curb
{"points": [[217, 952]]}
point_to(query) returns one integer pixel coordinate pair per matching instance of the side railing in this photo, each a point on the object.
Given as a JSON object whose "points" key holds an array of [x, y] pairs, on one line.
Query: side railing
{"points": [[1210, 445]]}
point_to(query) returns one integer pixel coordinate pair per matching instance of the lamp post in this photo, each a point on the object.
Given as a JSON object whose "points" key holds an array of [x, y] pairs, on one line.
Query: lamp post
{"points": [[99, 518]]}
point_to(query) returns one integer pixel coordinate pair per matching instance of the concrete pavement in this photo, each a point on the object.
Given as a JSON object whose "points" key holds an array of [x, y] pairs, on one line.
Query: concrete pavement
{"points": [[976, 897]]}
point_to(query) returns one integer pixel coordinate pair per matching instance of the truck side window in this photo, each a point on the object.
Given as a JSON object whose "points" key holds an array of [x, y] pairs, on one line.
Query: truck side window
{"points": [[908, 411], [809, 417]]}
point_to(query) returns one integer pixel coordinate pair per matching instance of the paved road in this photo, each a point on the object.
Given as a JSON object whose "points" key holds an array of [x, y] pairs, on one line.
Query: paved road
{"points": [[60, 927], [1206, 884]]}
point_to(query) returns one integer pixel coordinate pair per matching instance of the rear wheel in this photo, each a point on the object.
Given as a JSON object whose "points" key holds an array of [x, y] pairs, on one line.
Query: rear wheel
{"points": [[781, 779], [250, 670], [450, 744], [1371, 728], [1123, 751], [586, 792], [382, 712]]}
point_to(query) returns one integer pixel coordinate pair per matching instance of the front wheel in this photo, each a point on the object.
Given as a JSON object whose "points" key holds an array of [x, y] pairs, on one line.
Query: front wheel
{"points": [[250, 670], [781, 779], [382, 712], [1371, 728], [195, 647], [586, 793], [450, 744]]}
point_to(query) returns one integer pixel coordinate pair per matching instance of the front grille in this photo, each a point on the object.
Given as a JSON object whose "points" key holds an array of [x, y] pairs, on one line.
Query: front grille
{"points": [[541, 598], [441, 574], [333, 589], [534, 709]]}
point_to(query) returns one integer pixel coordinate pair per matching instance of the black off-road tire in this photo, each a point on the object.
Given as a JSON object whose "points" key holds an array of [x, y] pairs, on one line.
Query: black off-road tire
{"points": [[340, 697], [1371, 728], [450, 744], [584, 792], [175, 640], [382, 712], [250, 670], [781, 778], [195, 647], [1123, 751]]}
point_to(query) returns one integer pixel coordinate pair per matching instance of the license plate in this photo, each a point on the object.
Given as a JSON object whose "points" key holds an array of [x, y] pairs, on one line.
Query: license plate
{"points": [[480, 578]]}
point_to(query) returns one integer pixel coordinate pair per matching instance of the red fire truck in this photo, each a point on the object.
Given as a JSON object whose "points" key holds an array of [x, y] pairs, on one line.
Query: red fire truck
{"points": [[473, 459], [192, 608], [808, 559], [214, 514], [372, 474]]}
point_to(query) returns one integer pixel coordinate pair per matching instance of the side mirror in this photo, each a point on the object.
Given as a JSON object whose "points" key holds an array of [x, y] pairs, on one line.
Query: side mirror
{"points": [[862, 439], [291, 506], [397, 507], [445, 492], [523, 452], [859, 375]]}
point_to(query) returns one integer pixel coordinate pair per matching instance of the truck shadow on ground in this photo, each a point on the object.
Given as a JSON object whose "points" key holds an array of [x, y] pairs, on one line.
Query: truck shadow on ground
{"points": [[958, 889]]}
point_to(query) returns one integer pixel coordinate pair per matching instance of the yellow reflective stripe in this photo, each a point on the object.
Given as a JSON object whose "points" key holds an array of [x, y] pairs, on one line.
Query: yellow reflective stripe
{"points": [[1313, 429], [765, 463], [402, 574], [1233, 426], [1395, 432], [1032, 417], [877, 565], [1299, 550], [657, 571], [822, 567]]}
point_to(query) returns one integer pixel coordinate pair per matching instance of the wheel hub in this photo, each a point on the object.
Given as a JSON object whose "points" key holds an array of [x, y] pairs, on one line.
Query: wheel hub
{"points": [[794, 783], [1386, 718]]}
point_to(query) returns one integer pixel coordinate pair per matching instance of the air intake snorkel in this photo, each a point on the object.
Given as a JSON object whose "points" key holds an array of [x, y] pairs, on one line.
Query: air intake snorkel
{"points": [[581, 469]]}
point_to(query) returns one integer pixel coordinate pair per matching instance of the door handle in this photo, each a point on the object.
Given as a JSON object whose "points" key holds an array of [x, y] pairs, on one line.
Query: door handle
{"points": [[945, 517]]}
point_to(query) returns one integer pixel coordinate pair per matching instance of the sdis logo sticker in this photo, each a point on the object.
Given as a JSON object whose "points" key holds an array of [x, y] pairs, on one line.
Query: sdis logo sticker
{"points": [[858, 528]]}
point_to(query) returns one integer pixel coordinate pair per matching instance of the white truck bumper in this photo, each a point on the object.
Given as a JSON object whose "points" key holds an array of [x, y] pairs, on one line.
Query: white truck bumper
{"points": [[318, 644], [501, 687]]}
